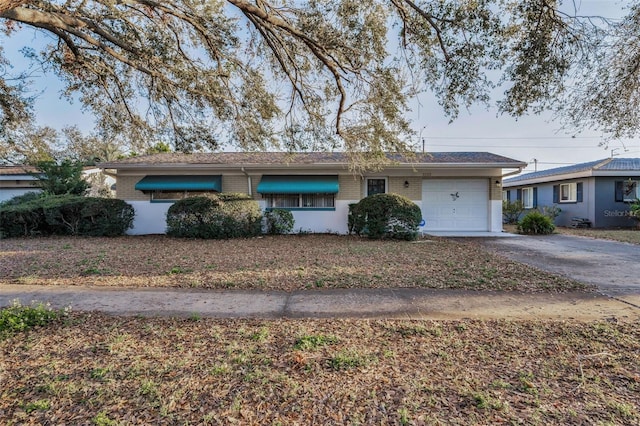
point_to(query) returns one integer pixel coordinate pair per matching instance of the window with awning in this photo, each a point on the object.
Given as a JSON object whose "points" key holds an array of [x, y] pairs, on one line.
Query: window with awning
{"points": [[271, 184], [299, 192], [168, 187]]}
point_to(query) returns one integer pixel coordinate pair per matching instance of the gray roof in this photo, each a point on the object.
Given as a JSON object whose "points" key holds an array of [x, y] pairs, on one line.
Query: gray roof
{"points": [[622, 164], [306, 158], [607, 164]]}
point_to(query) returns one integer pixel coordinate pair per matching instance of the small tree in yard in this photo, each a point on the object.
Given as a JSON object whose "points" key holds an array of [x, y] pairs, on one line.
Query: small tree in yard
{"points": [[511, 211], [61, 178]]}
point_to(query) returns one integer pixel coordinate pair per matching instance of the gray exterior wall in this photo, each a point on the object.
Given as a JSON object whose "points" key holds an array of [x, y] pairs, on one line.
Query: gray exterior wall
{"points": [[544, 197], [608, 212]]}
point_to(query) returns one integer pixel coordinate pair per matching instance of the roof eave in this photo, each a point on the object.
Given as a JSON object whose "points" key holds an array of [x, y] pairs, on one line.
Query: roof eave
{"points": [[198, 166], [550, 178]]}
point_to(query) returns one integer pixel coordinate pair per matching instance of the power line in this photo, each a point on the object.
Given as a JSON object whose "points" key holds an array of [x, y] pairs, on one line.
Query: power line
{"points": [[517, 146], [512, 138]]}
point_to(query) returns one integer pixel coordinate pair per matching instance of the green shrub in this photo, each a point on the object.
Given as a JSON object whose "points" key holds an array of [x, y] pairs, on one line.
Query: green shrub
{"points": [[17, 318], [279, 221], [385, 216], [552, 212], [215, 216], [105, 217], [23, 219], [511, 211], [535, 222], [634, 212], [66, 215]]}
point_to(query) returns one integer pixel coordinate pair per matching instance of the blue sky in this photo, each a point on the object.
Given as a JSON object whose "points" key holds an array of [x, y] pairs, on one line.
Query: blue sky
{"points": [[478, 129]]}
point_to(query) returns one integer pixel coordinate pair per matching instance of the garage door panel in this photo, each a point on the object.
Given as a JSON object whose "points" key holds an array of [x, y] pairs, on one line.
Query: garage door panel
{"points": [[455, 204]]}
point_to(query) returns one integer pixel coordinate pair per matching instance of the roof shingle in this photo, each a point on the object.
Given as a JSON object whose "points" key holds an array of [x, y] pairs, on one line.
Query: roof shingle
{"points": [[267, 158]]}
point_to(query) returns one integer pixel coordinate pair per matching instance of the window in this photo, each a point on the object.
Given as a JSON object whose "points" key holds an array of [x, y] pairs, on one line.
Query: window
{"points": [[177, 187], [627, 190], [505, 196], [527, 198], [300, 201], [568, 193], [176, 195], [376, 186]]}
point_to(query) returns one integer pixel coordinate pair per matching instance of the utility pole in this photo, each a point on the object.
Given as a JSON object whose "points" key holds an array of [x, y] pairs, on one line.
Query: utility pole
{"points": [[421, 138]]}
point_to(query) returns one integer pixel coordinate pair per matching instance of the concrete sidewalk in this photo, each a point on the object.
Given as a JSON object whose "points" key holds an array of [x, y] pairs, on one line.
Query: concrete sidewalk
{"points": [[348, 303]]}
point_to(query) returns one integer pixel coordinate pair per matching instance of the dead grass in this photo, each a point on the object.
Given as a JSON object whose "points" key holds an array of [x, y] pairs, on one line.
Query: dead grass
{"points": [[95, 369], [623, 235], [267, 263]]}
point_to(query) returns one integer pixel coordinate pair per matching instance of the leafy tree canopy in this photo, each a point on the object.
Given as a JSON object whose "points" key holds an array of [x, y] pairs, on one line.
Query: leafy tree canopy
{"points": [[330, 74]]}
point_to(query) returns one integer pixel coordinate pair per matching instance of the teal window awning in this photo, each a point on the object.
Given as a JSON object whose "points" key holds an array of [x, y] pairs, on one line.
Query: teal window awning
{"points": [[292, 184], [180, 183]]}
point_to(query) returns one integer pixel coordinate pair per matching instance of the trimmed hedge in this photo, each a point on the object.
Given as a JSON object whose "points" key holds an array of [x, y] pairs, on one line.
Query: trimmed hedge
{"points": [[66, 215], [279, 221], [215, 216], [385, 216]]}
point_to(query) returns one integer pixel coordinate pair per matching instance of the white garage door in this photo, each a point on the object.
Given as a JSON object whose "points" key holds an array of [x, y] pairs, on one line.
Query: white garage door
{"points": [[455, 204]]}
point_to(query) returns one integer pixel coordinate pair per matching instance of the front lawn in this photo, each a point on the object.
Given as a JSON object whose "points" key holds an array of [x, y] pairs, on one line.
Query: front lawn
{"points": [[286, 263], [101, 370]]}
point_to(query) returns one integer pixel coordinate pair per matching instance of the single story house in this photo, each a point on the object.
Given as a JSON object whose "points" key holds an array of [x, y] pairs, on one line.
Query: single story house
{"points": [[457, 191], [16, 180], [598, 192]]}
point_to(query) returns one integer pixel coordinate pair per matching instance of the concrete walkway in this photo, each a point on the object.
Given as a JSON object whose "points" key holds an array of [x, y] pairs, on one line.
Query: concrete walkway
{"points": [[357, 303]]}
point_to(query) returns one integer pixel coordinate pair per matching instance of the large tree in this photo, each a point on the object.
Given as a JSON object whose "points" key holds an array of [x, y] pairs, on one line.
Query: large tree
{"points": [[314, 74]]}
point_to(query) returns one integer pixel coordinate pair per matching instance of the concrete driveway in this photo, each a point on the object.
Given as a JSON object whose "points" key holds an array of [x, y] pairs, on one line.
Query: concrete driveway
{"points": [[611, 266]]}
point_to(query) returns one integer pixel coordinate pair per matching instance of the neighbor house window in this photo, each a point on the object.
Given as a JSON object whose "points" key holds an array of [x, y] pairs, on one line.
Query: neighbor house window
{"points": [[505, 196], [376, 186], [627, 190], [301, 201], [527, 198], [568, 193]]}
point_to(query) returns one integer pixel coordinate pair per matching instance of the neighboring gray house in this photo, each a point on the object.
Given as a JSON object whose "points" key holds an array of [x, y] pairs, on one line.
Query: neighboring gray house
{"points": [[599, 191]]}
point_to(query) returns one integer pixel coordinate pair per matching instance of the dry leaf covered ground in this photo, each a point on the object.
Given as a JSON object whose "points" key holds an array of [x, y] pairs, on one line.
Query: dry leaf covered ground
{"points": [[286, 263], [89, 368], [94, 369]]}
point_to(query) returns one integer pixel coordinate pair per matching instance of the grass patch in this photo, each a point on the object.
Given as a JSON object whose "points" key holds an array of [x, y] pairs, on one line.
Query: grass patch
{"points": [[18, 318], [338, 371], [313, 342]]}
